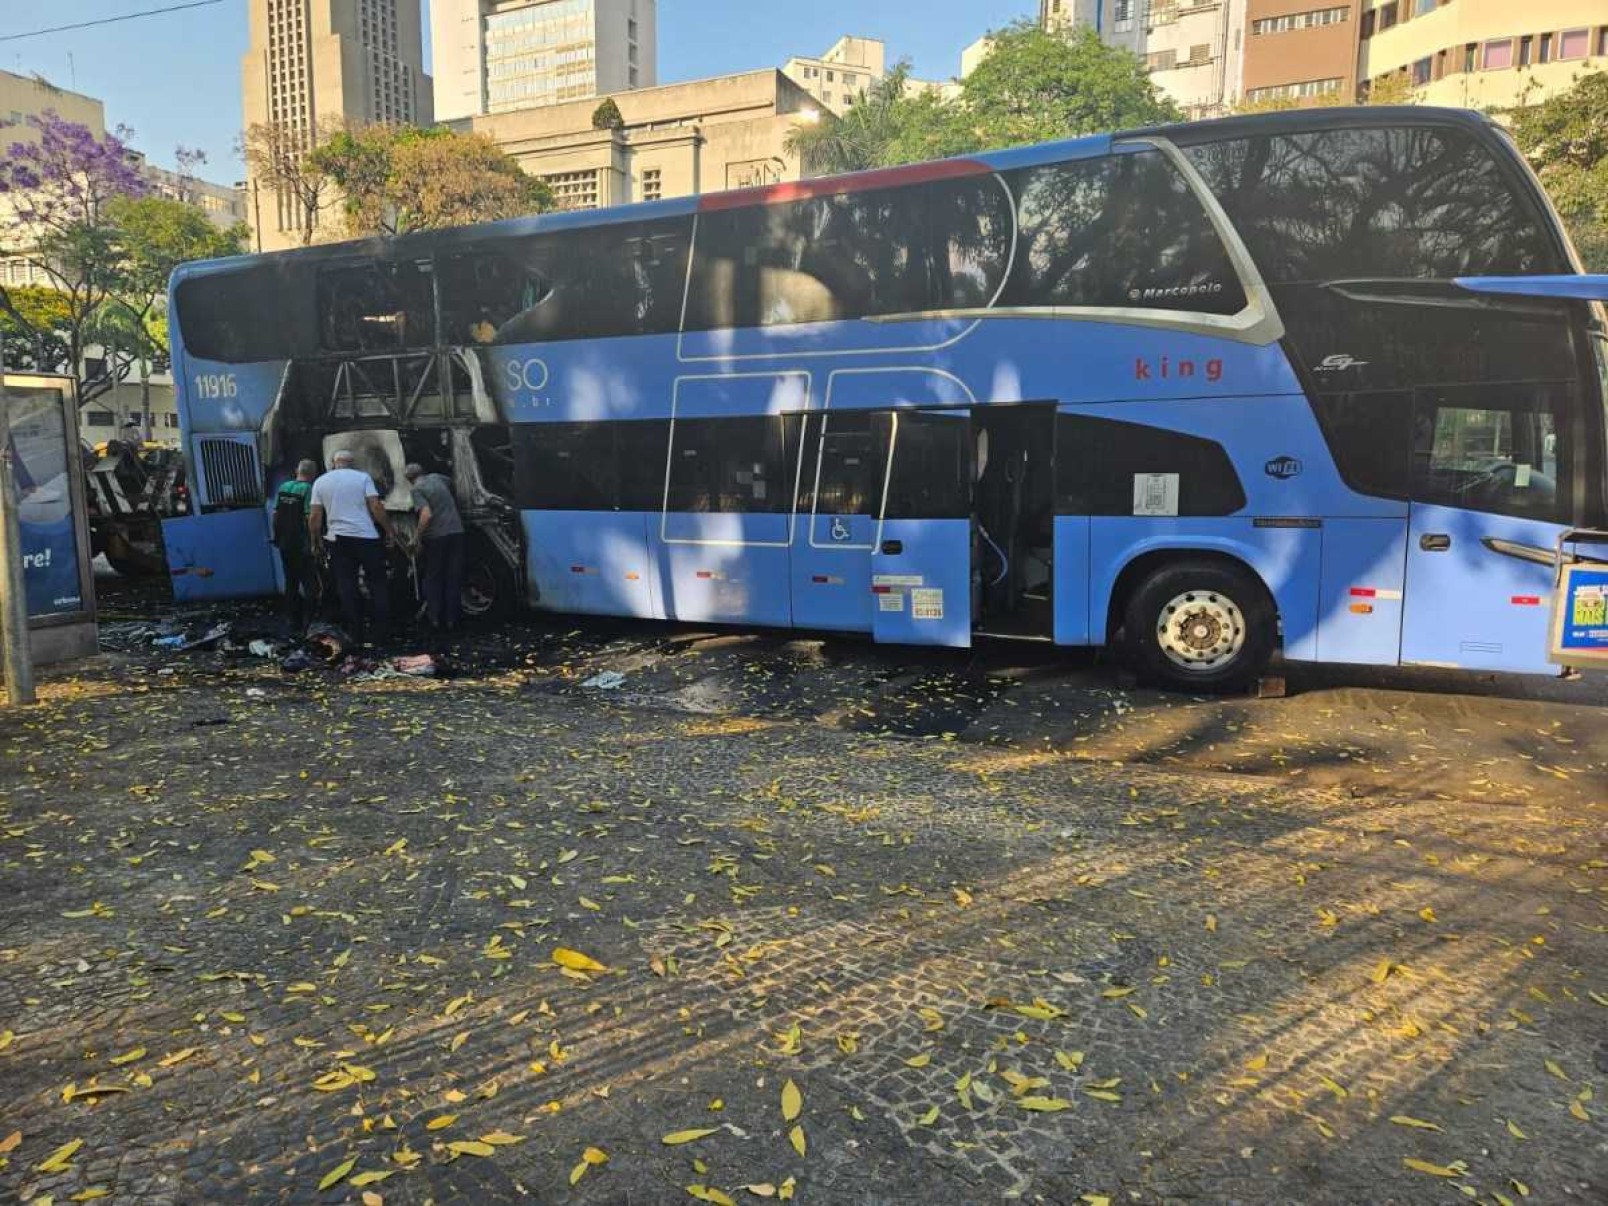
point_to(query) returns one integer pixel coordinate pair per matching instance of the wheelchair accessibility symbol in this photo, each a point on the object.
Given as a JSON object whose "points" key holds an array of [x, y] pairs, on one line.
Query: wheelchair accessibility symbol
{"points": [[840, 530]]}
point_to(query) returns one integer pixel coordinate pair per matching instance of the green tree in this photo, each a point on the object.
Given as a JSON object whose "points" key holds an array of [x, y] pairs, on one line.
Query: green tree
{"points": [[36, 322], [1565, 138], [607, 116], [155, 235], [1036, 86], [1033, 87], [398, 179]]}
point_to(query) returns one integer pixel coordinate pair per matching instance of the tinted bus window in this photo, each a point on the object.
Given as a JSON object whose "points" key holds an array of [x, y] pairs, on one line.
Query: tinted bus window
{"points": [[1403, 201], [587, 283], [565, 467], [853, 461], [1097, 461], [1505, 450], [1119, 231], [931, 473], [737, 466], [1370, 437], [252, 314], [855, 255]]}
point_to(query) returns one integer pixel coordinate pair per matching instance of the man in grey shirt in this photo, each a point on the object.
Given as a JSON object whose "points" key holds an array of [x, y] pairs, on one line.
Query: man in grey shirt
{"points": [[441, 537]]}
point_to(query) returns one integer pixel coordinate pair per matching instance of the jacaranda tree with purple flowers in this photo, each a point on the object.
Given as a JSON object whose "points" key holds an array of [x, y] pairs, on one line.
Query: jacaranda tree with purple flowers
{"points": [[58, 189]]}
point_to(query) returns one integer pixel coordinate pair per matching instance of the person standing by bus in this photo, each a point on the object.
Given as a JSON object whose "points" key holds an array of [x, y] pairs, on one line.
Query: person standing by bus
{"points": [[291, 539], [348, 517], [441, 536]]}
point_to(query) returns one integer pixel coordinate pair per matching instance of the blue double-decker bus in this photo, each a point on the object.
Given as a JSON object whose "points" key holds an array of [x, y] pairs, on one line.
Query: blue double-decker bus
{"points": [[1324, 382]]}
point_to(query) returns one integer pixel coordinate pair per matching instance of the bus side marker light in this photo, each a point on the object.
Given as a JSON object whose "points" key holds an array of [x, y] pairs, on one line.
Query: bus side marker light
{"points": [[633, 576], [1362, 609], [1527, 600]]}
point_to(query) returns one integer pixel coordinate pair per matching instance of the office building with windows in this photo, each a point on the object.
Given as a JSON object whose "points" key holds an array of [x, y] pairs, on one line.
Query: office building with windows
{"points": [[841, 76], [312, 63], [497, 56], [1193, 49], [1481, 53], [1303, 51]]}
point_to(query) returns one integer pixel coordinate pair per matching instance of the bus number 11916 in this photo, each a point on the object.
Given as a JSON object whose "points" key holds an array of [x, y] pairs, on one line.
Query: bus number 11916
{"points": [[216, 385]]}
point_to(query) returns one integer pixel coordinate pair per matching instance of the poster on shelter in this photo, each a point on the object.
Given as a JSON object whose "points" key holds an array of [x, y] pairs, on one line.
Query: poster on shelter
{"points": [[39, 453]]}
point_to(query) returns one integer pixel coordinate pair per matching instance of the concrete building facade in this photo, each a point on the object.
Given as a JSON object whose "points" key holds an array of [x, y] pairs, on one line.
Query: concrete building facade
{"points": [[311, 63], [496, 56], [1301, 50], [676, 140], [841, 76], [1482, 53], [1193, 49]]}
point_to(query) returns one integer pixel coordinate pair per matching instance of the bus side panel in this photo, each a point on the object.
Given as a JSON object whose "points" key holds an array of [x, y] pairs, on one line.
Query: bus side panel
{"points": [[725, 568], [831, 572], [1286, 559], [1470, 606], [1359, 613], [590, 562], [1072, 580], [222, 555]]}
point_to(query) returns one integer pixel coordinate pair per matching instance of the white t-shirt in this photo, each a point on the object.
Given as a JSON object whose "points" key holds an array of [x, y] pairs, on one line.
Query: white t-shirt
{"points": [[344, 495]]}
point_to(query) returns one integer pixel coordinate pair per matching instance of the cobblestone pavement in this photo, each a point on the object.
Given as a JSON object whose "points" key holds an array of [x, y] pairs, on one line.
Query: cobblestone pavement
{"points": [[305, 946]]}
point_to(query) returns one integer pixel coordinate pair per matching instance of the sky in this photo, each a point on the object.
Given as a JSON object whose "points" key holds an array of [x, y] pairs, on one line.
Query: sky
{"points": [[175, 78]]}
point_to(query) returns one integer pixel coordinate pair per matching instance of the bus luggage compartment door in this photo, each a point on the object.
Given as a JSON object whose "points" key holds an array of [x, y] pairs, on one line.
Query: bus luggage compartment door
{"points": [[223, 551], [921, 569]]}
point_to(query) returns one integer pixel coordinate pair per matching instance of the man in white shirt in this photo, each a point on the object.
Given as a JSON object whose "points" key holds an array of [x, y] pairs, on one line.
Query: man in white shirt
{"points": [[348, 517]]}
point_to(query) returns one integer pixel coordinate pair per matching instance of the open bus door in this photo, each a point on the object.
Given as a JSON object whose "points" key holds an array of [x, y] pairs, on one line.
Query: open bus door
{"points": [[222, 551], [921, 564]]}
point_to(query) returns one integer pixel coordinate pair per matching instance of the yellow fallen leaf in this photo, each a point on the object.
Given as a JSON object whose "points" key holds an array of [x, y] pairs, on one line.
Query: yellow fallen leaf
{"points": [[334, 1175], [178, 1057], [471, 1147], [796, 1138], [762, 1189], [1381, 973], [456, 1004], [91, 1194], [370, 1178], [595, 1155], [440, 1121], [10, 1142], [792, 1101], [1335, 1087], [1070, 1060], [7, 1037], [1579, 1111], [1102, 1095], [370, 1198], [708, 1193], [677, 1138], [1115, 993], [1428, 914], [57, 1160], [1556, 1071], [1404, 1120], [962, 897], [919, 1061], [501, 1138], [784, 1191], [575, 961], [1047, 1105], [128, 1057], [1513, 1129], [933, 1019], [930, 1117], [1258, 1063], [1211, 923], [1424, 1166], [458, 1040]]}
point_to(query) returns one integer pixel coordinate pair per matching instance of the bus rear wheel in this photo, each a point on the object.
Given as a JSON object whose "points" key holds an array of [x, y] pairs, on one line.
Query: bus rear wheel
{"points": [[1200, 626], [488, 583]]}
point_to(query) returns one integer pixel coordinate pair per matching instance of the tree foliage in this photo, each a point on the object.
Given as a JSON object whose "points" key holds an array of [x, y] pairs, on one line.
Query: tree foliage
{"points": [[398, 179], [1565, 138], [607, 116], [1033, 87], [277, 157]]}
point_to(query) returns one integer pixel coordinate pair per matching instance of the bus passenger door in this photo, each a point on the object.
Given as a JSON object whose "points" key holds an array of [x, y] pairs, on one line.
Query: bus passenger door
{"points": [[844, 465], [921, 565], [222, 551], [1489, 483]]}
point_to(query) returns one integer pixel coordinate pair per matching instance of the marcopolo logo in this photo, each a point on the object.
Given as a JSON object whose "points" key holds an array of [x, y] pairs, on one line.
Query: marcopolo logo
{"points": [[1283, 467]]}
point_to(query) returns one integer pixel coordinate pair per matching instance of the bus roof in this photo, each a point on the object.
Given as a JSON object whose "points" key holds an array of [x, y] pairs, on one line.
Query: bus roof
{"points": [[1183, 133]]}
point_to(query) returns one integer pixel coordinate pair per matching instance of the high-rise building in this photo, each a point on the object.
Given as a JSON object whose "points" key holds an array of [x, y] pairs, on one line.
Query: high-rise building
{"points": [[314, 63], [1481, 53], [497, 56], [1193, 49]]}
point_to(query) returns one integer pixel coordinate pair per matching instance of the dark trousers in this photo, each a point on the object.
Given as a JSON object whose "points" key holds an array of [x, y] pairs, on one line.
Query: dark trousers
{"points": [[299, 585], [349, 555], [443, 580]]}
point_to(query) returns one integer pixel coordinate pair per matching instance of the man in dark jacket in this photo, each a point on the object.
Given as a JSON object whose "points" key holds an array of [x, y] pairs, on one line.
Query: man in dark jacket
{"points": [[441, 539]]}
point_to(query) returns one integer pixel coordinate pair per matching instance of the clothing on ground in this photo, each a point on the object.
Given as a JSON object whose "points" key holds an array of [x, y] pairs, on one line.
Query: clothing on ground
{"points": [[435, 491], [344, 495]]}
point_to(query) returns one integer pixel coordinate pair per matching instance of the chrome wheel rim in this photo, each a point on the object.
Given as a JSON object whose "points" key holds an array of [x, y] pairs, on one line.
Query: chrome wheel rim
{"points": [[1201, 630]]}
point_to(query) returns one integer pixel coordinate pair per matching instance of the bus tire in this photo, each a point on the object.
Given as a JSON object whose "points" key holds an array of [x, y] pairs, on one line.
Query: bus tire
{"points": [[489, 584], [1200, 626]]}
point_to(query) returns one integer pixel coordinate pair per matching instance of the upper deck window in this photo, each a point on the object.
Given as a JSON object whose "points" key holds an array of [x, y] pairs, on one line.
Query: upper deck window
{"points": [[1421, 202], [935, 246], [1119, 231]]}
